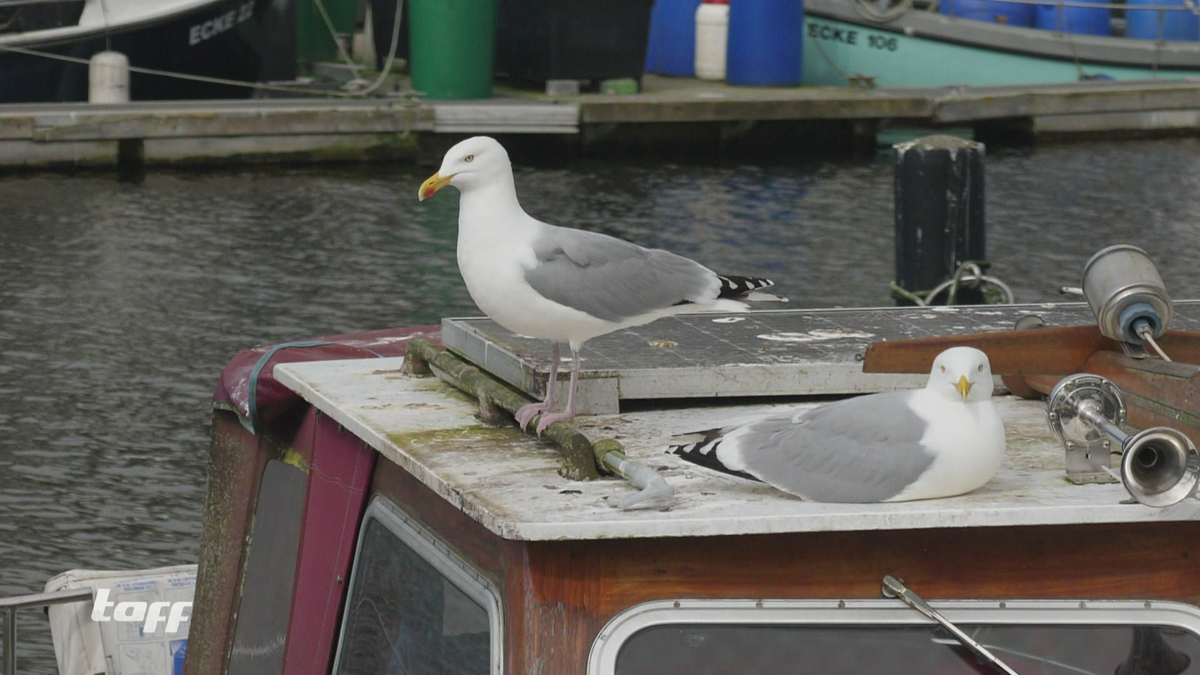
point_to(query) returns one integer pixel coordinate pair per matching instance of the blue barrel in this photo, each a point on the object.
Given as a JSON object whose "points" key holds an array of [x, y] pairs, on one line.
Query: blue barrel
{"points": [[765, 42], [178, 655], [1175, 24], [1007, 13], [671, 49], [1082, 20], [651, 64]]}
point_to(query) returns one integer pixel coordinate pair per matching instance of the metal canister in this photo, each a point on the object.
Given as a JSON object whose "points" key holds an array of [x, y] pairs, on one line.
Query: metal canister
{"points": [[1124, 290]]}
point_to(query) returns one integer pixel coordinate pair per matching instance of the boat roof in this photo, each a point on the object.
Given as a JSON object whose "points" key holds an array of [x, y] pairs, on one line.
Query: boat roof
{"points": [[508, 480]]}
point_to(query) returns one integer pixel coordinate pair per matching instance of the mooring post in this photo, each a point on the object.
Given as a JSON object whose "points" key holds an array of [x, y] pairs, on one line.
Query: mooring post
{"points": [[939, 212]]}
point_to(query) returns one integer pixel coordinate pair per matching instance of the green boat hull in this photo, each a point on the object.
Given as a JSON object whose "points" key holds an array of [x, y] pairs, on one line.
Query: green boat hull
{"points": [[836, 51]]}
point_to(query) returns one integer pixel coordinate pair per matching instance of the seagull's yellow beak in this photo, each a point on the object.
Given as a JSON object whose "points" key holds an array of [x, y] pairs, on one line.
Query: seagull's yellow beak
{"points": [[432, 185], [963, 386]]}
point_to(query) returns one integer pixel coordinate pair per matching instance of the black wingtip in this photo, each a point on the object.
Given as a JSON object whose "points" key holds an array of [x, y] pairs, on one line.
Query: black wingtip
{"points": [[735, 287], [704, 454]]}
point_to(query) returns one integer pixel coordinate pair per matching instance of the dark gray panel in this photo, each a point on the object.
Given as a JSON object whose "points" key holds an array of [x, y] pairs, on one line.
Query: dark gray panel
{"points": [[262, 622]]}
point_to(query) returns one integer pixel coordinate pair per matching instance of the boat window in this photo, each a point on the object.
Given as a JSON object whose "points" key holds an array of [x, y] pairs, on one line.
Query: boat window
{"points": [[270, 570], [415, 606], [1048, 638]]}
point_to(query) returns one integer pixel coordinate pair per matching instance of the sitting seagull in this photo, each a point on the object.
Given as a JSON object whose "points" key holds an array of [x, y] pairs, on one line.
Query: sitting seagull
{"points": [[558, 284], [944, 440]]}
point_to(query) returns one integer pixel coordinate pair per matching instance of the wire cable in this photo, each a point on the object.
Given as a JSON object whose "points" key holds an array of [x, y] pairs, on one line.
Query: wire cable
{"points": [[263, 86], [184, 76]]}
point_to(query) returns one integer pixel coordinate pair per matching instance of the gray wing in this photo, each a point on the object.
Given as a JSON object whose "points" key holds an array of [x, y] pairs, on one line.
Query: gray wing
{"points": [[863, 449], [612, 279]]}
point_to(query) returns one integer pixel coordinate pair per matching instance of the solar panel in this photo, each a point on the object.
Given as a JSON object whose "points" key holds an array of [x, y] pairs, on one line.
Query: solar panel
{"points": [[766, 353]]}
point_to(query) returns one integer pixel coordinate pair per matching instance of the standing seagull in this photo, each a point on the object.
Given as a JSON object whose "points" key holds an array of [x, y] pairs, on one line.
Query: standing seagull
{"points": [[560, 284], [944, 440]]}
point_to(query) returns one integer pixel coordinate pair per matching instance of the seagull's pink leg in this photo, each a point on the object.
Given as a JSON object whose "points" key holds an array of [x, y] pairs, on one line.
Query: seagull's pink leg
{"points": [[550, 418], [527, 412]]}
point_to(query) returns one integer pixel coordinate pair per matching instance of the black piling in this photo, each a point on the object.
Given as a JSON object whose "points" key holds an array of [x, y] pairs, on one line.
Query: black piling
{"points": [[939, 213]]}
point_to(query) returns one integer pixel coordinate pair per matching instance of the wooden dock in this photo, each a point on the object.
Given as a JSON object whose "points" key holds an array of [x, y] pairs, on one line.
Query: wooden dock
{"points": [[668, 109]]}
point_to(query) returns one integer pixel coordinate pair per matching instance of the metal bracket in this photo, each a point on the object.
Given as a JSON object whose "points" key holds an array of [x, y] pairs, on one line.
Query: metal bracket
{"points": [[1088, 449], [582, 455], [1134, 351], [1159, 466]]}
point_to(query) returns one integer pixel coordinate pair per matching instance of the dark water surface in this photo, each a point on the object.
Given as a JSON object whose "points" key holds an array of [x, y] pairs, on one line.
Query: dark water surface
{"points": [[120, 302]]}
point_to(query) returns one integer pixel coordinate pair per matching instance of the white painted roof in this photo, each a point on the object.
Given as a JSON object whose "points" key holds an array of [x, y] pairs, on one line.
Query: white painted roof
{"points": [[507, 480]]}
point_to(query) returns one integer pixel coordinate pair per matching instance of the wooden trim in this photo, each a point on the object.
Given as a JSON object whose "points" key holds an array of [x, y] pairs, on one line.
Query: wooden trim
{"points": [[504, 562], [556, 596], [236, 462], [576, 588]]}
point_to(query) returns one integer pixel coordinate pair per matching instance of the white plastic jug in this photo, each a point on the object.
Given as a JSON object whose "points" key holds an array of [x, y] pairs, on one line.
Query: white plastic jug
{"points": [[712, 35]]}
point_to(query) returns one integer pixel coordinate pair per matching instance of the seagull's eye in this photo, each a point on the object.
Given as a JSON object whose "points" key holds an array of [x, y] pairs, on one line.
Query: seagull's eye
{"points": [[980, 368], [943, 369], [469, 158]]}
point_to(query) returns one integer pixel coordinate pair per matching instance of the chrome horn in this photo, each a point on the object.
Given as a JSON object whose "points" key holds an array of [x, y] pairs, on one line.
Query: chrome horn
{"points": [[1159, 466]]}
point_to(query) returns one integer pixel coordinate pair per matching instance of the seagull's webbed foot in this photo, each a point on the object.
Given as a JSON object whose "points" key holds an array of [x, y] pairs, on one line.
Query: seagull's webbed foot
{"points": [[550, 418], [526, 413]]}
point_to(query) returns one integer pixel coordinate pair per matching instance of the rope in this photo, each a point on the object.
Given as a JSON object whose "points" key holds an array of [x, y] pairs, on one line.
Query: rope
{"points": [[336, 38], [353, 86], [902, 293], [107, 26], [858, 80], [165, 73], [185, 76], [867, 10], [1062, 15], [252, 423], [387, 64], [968, 275]]}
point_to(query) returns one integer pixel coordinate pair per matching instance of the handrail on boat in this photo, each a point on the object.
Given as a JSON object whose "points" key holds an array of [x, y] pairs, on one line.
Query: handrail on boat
{"points": [[10, 606]]}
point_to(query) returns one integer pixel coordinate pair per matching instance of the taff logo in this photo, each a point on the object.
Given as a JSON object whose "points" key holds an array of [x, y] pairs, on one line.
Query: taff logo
{"points": [[151, 613]]}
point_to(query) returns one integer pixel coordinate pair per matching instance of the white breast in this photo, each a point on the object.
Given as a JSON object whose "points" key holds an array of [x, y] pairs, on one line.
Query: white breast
{"points": [[493, 261], [967, 440]]}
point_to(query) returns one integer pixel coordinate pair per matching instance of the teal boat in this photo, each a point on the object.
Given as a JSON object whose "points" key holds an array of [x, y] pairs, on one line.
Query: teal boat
{"points": [[852, 42]]}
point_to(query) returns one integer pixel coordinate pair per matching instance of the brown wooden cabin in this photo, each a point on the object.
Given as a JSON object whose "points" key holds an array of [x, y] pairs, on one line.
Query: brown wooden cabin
{"points": [[379, 527]]}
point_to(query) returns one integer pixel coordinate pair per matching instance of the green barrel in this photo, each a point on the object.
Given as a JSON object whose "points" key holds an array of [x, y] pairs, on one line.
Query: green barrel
{"points": [[314, 43], [452, 44]]}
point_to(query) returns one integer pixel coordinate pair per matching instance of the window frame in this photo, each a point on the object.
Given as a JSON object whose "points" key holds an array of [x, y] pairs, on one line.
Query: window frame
{"points": [[267, 584], [442, 558], [602, 658]]}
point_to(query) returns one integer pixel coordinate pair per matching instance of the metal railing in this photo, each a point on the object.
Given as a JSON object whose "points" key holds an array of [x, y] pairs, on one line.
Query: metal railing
{"points": [[10, 606]]}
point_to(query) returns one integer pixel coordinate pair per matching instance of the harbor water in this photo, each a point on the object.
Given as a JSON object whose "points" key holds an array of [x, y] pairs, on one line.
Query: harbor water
{"points": [[121, 299]]}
